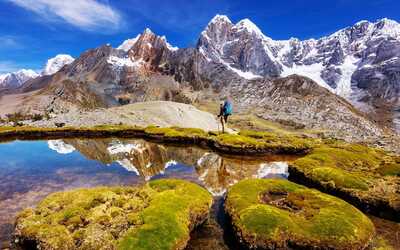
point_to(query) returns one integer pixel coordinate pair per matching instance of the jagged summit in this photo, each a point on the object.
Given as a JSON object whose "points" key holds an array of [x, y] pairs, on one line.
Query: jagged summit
{"points": [[387, 21], [147, 31], [222, 21], [219, 18], [249, 26], [147, 35]]}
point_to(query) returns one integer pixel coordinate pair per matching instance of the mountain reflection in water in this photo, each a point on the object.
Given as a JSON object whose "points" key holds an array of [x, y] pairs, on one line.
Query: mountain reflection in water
{"points": [[148, 160], [29, 171]]}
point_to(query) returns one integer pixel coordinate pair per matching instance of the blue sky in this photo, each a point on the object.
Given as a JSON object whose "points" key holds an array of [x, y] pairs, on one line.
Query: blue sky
{"points": [[31, 31]]}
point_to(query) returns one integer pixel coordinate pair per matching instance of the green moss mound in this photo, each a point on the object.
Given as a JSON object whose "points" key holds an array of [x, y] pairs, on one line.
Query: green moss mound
{"points": [[278, 214], [265, 142], [367, 177], [159, 215]]}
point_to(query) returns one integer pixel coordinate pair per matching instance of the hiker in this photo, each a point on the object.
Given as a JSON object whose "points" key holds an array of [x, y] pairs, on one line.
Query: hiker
{"points": [[225, 110]]}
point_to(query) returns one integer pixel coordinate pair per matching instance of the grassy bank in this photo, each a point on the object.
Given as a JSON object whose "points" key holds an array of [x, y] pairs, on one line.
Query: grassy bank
{"points": [[244, 143]]}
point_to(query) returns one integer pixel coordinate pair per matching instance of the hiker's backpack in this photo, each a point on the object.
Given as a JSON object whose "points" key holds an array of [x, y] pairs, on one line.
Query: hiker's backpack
{"points": [[228, 108]]}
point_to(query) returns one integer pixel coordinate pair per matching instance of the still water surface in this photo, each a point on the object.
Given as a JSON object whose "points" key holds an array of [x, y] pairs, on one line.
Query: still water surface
{"points": [[30, 170]]}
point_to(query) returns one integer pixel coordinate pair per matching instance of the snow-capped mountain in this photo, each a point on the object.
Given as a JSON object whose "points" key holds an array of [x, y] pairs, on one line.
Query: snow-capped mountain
{"points": [[238, 60], [241, 47], [54, 64], [129, 43], [363, 56], [16, 79], [124, 64]]}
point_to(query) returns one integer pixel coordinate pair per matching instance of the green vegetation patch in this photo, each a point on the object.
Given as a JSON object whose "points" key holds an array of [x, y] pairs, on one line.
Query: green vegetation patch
{"points": [[267, 141], [158, 215], [278, 214], [175, 132], [368, 175], [351, 157]]}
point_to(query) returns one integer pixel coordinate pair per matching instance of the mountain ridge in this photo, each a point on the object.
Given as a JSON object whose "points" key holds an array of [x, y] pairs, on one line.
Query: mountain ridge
{"points": [[14, 80], [17, 78], [235, 60], [337, 62]]}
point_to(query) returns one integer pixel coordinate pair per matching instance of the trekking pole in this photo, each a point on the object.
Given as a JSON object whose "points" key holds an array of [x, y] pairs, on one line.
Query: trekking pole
{"points": [[218, 124]]}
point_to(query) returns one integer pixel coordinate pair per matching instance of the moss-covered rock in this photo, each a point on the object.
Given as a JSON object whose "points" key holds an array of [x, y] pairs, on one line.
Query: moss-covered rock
{"points": [[366, 177], [159, 215], [278, 214]]}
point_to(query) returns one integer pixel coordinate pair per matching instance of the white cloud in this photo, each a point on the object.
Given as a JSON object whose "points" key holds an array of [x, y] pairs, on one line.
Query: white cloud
{"points": [[85, 14]]}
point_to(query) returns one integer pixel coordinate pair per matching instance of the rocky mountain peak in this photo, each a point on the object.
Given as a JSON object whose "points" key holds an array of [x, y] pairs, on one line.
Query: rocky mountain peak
{"points": [[387, 22], [150, 48], [219, 19], [387, 27], [216, 33], [241, 48], [148, 37], [147, 31], [248, 26]]}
